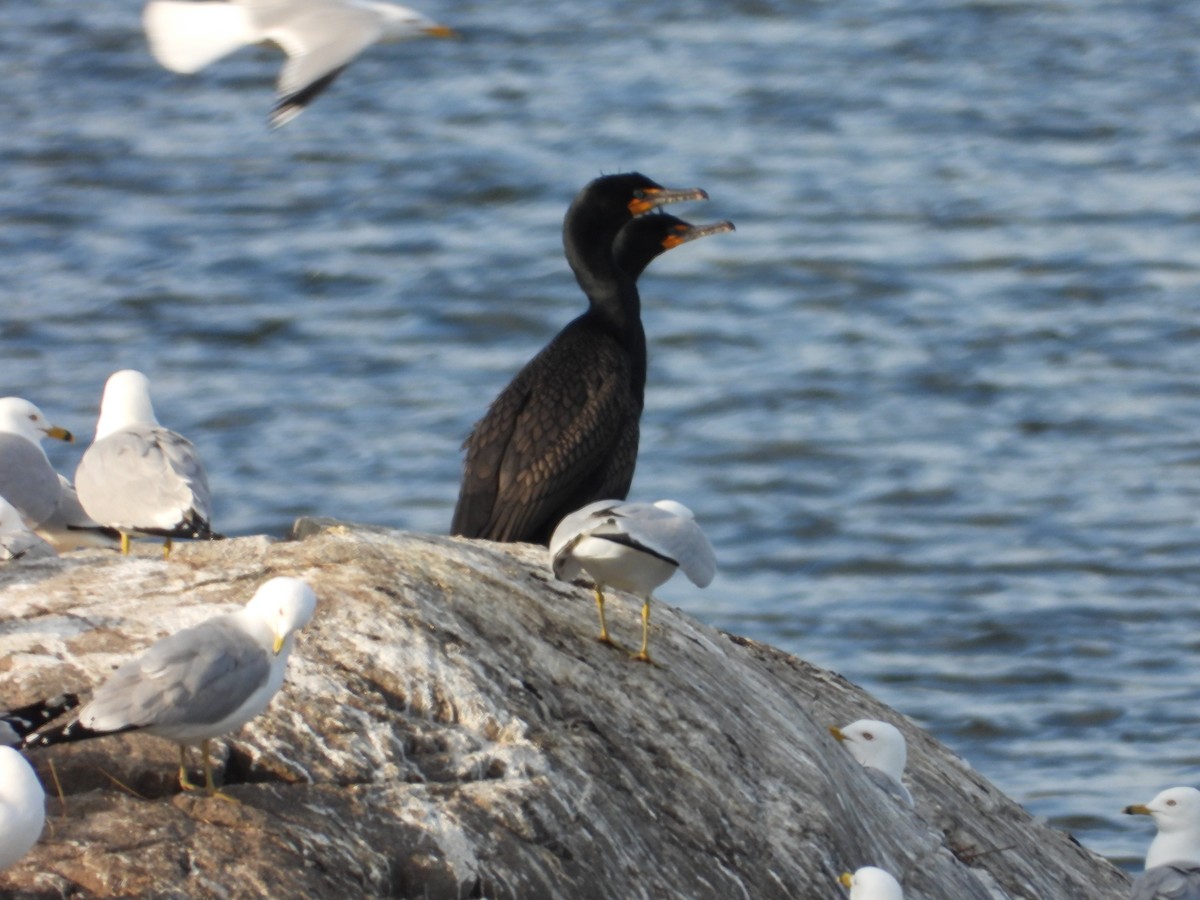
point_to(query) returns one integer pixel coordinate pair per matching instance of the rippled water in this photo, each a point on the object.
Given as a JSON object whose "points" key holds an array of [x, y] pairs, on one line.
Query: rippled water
{"points": [[936, 400]]}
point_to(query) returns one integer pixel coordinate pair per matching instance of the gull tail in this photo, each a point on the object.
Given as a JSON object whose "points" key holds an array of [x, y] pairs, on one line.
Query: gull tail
{"points": [[65, 734], [17, 724], [185, 36]]}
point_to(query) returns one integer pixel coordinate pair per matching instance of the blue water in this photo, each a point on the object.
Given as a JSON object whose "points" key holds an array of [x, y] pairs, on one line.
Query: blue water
{"points": [[937, 401]]}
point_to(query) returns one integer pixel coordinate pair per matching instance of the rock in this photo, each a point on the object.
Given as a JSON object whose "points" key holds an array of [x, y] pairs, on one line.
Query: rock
{"points": [[450, 728]]}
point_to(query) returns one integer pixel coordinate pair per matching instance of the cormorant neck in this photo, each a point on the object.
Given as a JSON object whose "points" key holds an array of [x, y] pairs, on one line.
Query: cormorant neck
{"points": [[611, 293]]}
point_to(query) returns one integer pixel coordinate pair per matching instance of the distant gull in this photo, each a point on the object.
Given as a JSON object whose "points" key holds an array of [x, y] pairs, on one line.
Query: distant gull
{"points": [[320, 37], [870, 883], [199, 683], [27, 480], [16, 539], [880, 748], [632, 547], [138, 477], [22, 807], [17, 723], [70, 528], [1173, 859]]}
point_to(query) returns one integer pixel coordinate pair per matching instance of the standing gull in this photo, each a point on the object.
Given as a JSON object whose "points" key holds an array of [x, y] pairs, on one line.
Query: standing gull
{"points": [[633, 547], [16, 540], [138, 477], [1173, 859], [320, 37], [202, 682], [564, 432], [870, 883], [70, 528], [879, 747], [27, 480], [22, 807]]}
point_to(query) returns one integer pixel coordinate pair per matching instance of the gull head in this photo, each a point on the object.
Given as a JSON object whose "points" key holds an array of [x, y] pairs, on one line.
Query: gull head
{"points": [[286, 605], [1176, 812], [876, 744], [400, 23], [22, 418], [126, 402], [870, 883]]}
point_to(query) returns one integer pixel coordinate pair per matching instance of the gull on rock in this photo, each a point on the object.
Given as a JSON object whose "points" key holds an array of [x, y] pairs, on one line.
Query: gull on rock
{"points": [[201, 682], [320, 37], [633, 547], [22, 807], [1173, 858], [880, 748], [871, 883], [27, 480], [138, 477], [16, 540]]}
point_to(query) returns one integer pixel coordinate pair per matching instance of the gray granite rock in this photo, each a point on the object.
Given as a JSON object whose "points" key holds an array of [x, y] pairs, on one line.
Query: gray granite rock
{"points": [[450, 729]]}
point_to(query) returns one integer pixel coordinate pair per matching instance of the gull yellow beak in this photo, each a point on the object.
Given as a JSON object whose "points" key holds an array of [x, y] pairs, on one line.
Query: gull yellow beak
{"points": [[60, 433], [279, 639], [837, 732], [441, 31], [846, 879], [1139, 809]]}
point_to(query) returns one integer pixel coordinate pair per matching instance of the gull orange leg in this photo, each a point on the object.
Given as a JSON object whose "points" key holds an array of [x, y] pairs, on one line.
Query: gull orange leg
{"points": [[643, 655], [603, 638]]}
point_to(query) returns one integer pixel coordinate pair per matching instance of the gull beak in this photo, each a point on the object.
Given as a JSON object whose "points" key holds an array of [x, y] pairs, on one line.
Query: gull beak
{"points": [[441, 31], [60, 433], [846, 879], [837, 732], [1139, 809], [651, 198], [279, 639]]}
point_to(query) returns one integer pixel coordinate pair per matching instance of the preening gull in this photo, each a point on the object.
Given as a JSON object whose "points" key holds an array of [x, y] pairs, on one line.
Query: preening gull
{"points": [[201, 682], [1173, 859], [870, 883], [880, 748], [27, 480], [138, 477], [22, 807], [320, 37], [17, 723], [633, 547], [70, 528], [16, 540], [564, 431]]}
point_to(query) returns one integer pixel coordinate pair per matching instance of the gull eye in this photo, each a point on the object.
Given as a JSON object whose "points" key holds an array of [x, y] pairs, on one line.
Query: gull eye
{"points": [[867, 736], [1170, 803]]}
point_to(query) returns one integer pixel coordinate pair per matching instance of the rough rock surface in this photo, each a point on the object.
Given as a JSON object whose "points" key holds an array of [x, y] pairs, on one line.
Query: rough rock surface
{"points": [[450, 729]]}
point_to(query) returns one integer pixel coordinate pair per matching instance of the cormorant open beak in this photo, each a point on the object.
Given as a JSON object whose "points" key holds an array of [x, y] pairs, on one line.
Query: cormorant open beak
{"points": [[1139, 809], [60, 433], [684, 233], [651, 198]]}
